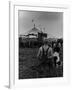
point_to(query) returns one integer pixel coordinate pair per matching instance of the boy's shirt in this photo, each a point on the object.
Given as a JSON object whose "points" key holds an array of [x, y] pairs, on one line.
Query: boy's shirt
{"points": [[49, 53]]}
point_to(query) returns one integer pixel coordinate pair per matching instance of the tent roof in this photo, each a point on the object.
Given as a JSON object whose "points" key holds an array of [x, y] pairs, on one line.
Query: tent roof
{"points": [[34, 30]]}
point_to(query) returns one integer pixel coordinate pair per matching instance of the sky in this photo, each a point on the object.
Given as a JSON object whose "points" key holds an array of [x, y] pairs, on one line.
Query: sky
{"points": [[49, 22]]}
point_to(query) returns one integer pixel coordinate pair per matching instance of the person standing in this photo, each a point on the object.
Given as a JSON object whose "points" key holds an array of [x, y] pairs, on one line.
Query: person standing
{"points": [[45, 55]]}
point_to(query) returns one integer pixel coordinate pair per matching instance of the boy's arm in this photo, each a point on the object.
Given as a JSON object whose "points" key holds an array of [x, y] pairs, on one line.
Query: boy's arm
{"points": [[39, 53]]}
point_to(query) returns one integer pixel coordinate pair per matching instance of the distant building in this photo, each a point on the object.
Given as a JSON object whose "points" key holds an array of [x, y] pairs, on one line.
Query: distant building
{"points": [[33, 33], [34, 38], [36, 33]]}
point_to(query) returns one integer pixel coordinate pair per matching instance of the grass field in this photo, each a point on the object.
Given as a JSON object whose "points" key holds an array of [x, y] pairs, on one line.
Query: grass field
{"points": [[28, 66]]}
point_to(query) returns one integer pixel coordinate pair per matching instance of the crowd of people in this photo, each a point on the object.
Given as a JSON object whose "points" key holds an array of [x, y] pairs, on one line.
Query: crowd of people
{"points": [[50, 55]]}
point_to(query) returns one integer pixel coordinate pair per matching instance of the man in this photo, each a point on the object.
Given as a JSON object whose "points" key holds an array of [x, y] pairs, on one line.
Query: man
{"points": [[45, 55]]}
